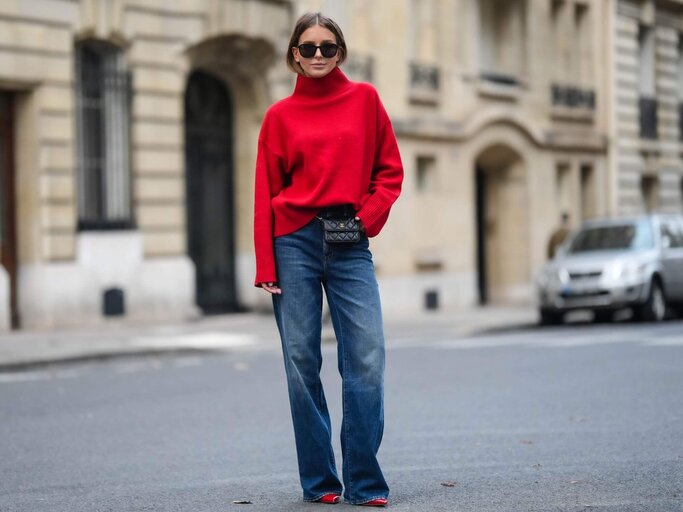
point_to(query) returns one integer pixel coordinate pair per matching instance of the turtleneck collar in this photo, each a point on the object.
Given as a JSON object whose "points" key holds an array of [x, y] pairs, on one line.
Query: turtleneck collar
{"points": [[329, 85]]}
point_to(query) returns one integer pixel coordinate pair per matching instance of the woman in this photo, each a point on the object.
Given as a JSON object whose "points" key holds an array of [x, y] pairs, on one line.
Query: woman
{"points": [[326, 152]]}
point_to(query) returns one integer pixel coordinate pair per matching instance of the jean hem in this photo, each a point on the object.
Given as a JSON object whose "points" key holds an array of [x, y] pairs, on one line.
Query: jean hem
{"points": [[366, 500], [311, 500]]}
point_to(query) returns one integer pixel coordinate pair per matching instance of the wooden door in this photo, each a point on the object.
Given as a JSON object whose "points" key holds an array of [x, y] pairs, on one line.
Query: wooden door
{"points": [[209, 192]]}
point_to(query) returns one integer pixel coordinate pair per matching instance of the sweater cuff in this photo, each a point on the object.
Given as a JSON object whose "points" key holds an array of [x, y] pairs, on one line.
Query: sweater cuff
{"points": [[265, 277], [373, 217], [265, 269]]}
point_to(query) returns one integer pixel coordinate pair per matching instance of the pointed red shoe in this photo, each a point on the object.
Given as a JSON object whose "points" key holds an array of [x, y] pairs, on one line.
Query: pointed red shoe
{"points": [[329, 499], [379, 502]]}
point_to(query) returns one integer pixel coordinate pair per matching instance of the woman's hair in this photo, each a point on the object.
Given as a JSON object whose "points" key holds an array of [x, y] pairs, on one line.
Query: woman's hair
{"points": [[305, 22]]}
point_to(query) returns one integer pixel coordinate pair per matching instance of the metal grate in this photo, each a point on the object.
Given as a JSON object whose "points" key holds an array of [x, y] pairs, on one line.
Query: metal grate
{"points": [[424, 76], [572, 97], [103, 92]]}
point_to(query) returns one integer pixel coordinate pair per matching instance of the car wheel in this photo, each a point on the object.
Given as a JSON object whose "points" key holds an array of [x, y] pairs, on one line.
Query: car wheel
{"points": [[551, 317], [654, 308]]}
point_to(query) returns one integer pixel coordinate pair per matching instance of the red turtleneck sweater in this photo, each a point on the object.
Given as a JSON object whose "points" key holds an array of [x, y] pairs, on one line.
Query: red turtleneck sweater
{"points": [[329, 143]]}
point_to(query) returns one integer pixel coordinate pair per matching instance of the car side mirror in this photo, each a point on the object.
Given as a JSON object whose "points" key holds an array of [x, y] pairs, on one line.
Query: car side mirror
{"points": [[666, 241]]}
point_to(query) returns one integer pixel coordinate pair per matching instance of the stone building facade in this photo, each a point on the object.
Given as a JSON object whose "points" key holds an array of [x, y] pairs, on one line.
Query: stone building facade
{"points": [[128, 136], [645, 51]]}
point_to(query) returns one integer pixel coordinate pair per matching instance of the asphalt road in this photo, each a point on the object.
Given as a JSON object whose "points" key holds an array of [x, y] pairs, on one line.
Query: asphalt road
{"points": [[574, 418]]}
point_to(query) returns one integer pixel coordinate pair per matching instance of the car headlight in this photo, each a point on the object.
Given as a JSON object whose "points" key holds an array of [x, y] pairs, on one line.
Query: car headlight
{"points": [[552, 277], [623, 271]]}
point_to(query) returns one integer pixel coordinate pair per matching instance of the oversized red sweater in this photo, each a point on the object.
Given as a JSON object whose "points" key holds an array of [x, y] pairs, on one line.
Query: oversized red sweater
{"points": [[329, 143]]}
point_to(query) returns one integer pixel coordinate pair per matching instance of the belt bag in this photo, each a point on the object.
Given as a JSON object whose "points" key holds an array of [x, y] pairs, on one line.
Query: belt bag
{"points": [[341, 231]]}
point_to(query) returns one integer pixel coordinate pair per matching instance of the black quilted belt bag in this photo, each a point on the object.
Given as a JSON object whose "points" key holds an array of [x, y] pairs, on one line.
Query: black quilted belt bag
{"points": [[340, 225]]}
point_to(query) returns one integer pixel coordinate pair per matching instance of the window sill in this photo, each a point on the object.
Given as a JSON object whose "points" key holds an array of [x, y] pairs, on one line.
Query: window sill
{"points": [[429, 260], [422, 96], [498, 91], [579, 114], [106, 226]]}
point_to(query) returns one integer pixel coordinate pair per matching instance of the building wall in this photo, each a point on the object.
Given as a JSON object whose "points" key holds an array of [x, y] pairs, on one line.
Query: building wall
{"points": [[63, 272], [447, 127], [430, 241], [649, 170]]}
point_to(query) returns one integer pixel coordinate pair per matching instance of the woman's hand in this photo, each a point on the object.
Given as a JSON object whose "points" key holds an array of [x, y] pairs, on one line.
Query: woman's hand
{"points": [[362, 228], [271, 288]]}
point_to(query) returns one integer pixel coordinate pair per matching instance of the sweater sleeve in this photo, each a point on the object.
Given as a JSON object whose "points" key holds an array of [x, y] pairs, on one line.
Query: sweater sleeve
{"points": [[386, 179], [269, 181]]}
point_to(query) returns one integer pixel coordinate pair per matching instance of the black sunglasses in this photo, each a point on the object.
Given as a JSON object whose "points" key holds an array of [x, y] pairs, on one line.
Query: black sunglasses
{"points": [[327, 50]]}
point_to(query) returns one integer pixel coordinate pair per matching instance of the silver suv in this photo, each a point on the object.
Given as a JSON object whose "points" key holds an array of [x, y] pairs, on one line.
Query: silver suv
{"points": [[612, 264]]}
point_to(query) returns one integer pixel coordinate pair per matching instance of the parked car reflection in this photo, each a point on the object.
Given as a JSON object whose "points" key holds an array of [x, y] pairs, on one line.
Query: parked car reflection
{"points": [[612, 264]]}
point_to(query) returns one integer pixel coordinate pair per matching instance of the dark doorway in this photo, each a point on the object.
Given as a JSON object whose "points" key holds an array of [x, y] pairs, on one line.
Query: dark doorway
{"points": [[8, 234], [210, 192], [480, 205]]}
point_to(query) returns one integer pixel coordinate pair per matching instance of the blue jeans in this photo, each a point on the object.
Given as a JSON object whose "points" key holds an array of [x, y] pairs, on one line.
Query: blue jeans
{"points": [[306, 264]]}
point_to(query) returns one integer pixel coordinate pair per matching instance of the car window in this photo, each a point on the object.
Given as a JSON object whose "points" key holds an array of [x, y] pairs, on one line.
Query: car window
{"points": [[632, 235], [671, 228], [676, 227], [665, 232]]}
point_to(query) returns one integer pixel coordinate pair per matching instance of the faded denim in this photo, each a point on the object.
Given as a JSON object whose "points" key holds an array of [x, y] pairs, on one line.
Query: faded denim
{"points": [[306, 264]]}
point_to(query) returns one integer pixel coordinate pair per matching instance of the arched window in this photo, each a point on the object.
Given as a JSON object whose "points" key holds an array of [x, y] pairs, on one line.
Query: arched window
{"points": [[103, 92]]}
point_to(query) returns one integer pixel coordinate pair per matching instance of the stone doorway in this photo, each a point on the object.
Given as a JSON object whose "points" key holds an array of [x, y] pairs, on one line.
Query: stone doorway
{"points": [[502, 226], [210, 191]]}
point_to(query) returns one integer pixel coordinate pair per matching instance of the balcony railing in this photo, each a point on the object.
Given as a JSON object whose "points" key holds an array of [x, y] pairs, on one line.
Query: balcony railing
{"points": [[648, 118], [359, 68], [572, 97], [424, 83]]}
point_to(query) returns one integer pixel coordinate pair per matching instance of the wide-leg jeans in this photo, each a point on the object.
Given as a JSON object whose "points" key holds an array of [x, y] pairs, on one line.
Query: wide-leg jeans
{"points": [[305, 265]]}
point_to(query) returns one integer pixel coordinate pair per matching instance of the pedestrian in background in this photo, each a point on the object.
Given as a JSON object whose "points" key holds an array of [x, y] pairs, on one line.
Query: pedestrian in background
{"points": [[328, 168], [559, 235]]}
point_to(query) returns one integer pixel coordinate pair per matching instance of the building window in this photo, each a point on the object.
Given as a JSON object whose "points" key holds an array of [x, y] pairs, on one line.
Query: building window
{"points": [[649, 187], [423, 31], [583, 48], [560, 42], [502, 40], [588, 189], [426, 174], [572, 73], [102, 129], [646, 82], [423, 74]]}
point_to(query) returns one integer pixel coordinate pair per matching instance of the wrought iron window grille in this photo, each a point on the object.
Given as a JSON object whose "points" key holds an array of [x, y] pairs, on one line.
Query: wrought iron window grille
{"points": [[572, 97], [103, 93], [424, 76]]}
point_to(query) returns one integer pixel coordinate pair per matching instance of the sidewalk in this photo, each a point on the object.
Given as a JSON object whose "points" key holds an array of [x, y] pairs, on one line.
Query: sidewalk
{"points": [[21, 350]]}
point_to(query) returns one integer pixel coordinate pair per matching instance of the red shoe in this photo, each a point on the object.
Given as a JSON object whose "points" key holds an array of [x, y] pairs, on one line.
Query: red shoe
{"points": [[329, 499], [379, 502]]}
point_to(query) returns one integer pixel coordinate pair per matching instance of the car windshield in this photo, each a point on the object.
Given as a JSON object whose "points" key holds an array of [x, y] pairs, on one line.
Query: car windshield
{"points": [[632, 235]]}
